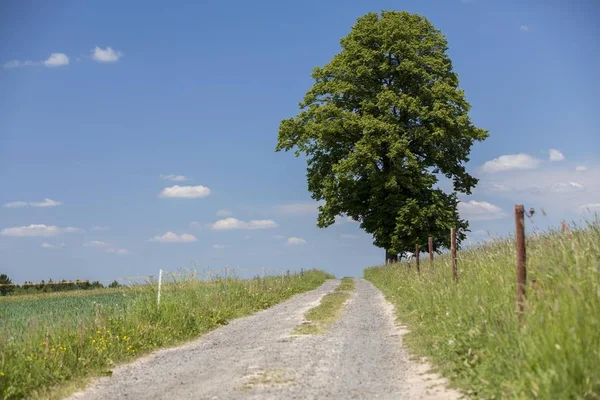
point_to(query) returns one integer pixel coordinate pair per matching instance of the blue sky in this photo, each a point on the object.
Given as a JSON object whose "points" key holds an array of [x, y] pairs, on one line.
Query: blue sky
{"points": [[102, 106]]}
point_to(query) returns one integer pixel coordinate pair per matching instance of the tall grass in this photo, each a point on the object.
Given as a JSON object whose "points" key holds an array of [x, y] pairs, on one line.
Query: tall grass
{"points": [[470, 330], [90, 335]]}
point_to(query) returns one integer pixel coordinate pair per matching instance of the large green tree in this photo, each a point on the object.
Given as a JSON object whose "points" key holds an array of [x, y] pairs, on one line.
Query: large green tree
{"points": [[383, 120]]}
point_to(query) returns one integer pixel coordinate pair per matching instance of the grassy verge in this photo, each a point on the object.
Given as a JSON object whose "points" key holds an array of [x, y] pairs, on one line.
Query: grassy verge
{"points": [[470, 329], [320, 318], [88, 335]]}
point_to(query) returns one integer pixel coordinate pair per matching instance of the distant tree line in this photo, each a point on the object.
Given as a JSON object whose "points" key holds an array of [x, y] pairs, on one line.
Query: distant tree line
{"points": [[8, 288]]}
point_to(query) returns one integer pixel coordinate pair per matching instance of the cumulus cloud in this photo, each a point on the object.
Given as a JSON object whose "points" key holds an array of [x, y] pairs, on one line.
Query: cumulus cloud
{"points": [[339, 220], [224, 213], [52, 246], [295, 241], [100, 228], [567, 187], [498, 187], [234, 223], [171, 237], [480, 211], [559, 189], [57, 60], [555, 155], [219, 246], [185, 192], [524, 28], [106, 55], [16, 204], [37, 230], [94, 243], [44, 203], [581, 168], [175, 178], [18, 64], [119, 252], [511, 161]]}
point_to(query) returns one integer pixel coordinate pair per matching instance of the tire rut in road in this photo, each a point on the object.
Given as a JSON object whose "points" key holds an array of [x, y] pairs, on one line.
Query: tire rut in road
{"points": [[257, 357]]}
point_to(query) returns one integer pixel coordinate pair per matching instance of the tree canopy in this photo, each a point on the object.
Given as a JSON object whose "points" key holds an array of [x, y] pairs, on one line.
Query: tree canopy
{"points": [[383, 120]]}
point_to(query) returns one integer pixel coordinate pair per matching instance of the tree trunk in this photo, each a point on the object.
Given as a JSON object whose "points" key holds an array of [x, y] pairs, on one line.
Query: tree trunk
{"points": [[390, 257]]}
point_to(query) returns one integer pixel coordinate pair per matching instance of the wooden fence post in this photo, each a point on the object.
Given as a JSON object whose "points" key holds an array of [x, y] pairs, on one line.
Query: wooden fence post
{"points": [[521, 258], [430, 243], [417, 251], [453, 253]]}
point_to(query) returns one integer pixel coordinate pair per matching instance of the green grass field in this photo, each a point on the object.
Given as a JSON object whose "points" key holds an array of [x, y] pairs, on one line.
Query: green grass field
{"points": [[48, 341], [470, 330]]}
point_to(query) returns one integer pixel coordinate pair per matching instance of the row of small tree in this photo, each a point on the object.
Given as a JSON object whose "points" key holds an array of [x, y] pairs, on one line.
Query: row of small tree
{"points": [[7, 287]]}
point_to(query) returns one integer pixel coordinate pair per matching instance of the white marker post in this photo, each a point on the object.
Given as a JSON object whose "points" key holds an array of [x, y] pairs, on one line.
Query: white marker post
{"points": [[160, 272]]}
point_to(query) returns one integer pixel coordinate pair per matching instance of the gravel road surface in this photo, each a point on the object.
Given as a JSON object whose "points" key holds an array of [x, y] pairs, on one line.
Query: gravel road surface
{"points": [[257, 357]]}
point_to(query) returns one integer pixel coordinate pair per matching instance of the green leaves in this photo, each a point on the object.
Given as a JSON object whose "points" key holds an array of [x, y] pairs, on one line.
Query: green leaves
{"points": [[383, 117]]}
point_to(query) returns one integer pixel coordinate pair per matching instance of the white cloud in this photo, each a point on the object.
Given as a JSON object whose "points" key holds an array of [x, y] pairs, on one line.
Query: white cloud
{"points": [[558, 189], [46, 203], [119, 252], [105, 55], [185, 192], [556, 155], [171, 237], [294, 241], [94, 243], [590, 207], [498, 187], [339, 220], [56, 60], [15, 204], [176, 178], [100, 228], [299, 208], [219, 246], [52, 246], [18, 64], [279, 237], [480, 211], [525, 28], [234, 223], [581, 168], [37, 230], [567, 187], [348, 236], [511, 161], [224, 213]]}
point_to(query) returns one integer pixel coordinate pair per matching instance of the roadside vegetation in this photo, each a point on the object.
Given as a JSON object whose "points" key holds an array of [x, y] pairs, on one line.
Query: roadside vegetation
{"points": [[470, 329], [321, 317], [46, 342]]}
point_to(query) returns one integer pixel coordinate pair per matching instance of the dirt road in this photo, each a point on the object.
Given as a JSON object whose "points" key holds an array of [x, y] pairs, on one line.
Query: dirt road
{"points": [[257, 357]]}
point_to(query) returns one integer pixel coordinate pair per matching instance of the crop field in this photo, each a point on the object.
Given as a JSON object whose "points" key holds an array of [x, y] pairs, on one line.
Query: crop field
{"points": [[470, 329], [19, 316], [47, 340]]}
